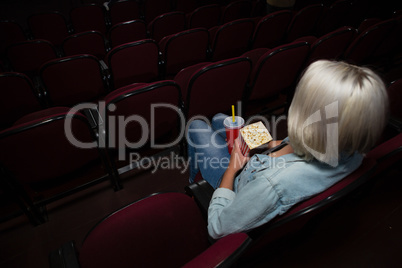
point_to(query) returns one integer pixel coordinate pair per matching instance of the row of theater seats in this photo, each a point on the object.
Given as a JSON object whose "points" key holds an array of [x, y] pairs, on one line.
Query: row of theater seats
{"points": [[52, 156], [53, 27], [81, 78], [225, 79], [224, 41], [91, 35]]}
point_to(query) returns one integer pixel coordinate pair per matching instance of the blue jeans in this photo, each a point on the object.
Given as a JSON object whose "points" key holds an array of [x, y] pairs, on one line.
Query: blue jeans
{"points": [[207, 150]]}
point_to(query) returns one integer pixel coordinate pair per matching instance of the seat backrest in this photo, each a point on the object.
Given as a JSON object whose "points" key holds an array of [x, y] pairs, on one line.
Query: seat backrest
{"points": [[154, 8], [89, 17], [151, 111], [18, 98], [395, 98], [134, 62], [277, 70], [304, 22], [235, 10], [11, 32], [336, 16], [271, 29], [167, 24], [206, 16], [184, 49], [90, 42], [331, 46], [363, 46], [28, 56], [387, 154], [185, 6], [391, 42], [35, 142], [158, 231], [295, 218], [72, 80], [213, 87], [51, 26], [126, 32], [366, 23], [124, 10], [231, 39]]}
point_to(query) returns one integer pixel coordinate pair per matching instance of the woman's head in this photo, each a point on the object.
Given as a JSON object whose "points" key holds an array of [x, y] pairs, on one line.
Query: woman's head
{"points": [[337, 107]]}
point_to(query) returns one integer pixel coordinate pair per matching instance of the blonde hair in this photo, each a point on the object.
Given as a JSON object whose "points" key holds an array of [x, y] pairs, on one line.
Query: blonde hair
{"points": [[347, 102]]}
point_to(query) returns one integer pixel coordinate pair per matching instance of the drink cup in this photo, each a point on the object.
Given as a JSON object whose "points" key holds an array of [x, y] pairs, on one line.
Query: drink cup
{"points": [[232, 130]]}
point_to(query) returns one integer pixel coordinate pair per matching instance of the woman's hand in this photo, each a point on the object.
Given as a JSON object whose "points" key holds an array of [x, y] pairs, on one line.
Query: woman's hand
{"points": [[237, 161]]}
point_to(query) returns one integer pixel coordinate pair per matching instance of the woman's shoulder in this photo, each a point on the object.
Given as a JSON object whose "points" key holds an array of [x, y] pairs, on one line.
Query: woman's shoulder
{"points": [[296, 179]]}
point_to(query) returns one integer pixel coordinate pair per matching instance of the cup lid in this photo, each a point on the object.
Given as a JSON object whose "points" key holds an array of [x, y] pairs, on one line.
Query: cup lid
{"points": [[228, 122]]}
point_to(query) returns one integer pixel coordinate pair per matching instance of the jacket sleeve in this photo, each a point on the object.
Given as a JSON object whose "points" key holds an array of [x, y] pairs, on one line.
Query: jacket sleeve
{"points": [[231, 212]]}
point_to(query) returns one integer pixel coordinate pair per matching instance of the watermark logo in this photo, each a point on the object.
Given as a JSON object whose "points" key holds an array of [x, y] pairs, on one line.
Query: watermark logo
{"points": [[112, 129], [330, 156]]}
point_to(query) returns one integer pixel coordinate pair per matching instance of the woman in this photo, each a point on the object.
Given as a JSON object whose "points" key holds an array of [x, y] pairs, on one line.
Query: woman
{"points": [[337, 114]]}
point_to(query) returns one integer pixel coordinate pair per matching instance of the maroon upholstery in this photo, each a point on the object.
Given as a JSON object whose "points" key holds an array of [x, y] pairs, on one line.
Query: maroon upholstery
{"points": [[395, 98], [133, 235], [88, 18], [223, 249], [163, 230], [235, 10], [231, 39], [364, 45], [11, 33], [332, 45], [184, 76], [277, 70], [391, 42], [28, 56], [214, 87], [18, 98], [206, 16], [271, 29], [167, 24], [255, 54], [31, 151], [367, 23], [134, 62], [387, 154], [304, 22], [50, 26], [126, 32], [184, 49], [136, 100], [124, 10], [336, 16], [154, 8], [90, 42], [72, 80], [186, 6]]}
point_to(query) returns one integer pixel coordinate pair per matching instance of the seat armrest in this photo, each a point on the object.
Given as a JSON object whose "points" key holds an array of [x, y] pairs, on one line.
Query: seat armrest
{"points": [[64, 257], [223, 253], [202, 193]]}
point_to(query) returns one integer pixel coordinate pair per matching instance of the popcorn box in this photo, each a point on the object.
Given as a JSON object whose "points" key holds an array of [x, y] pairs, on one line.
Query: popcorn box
{"points": [[253, 136]]}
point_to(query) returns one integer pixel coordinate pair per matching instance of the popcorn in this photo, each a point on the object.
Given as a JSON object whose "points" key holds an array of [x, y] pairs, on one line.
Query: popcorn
{"points": [[253, 136]]}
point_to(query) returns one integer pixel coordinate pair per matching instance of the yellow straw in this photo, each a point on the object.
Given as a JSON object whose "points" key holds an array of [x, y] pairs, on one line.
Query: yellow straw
{"points": [[233, 114]]}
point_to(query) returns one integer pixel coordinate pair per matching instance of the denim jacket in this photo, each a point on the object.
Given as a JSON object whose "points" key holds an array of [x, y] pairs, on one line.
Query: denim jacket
{"points": [[269, 186]]}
